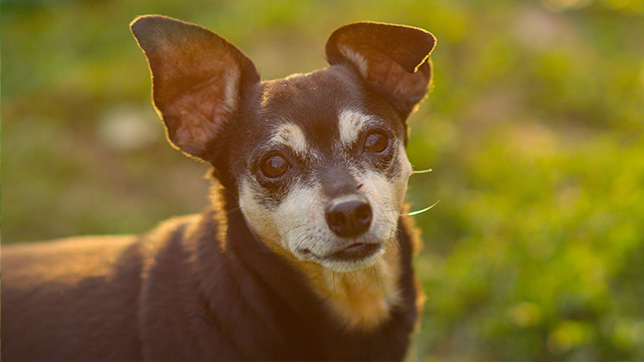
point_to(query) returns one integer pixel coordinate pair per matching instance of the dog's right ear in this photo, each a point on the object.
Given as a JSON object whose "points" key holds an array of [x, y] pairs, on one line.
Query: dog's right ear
{"points": [[198, 79]]}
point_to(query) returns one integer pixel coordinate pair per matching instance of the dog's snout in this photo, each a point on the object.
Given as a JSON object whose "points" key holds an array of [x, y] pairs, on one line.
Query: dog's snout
{"points": [[349, 216]]}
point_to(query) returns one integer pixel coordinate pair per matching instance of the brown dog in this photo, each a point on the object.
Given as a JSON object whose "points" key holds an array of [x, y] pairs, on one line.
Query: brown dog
{"points": [[303, 255]]}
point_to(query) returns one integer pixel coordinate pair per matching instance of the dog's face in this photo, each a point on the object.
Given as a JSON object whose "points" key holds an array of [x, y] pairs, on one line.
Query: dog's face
{"points": [[317, 160], [324, 179]]}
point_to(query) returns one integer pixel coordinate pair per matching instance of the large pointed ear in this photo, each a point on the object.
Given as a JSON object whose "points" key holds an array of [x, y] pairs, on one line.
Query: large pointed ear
{"points": [[198, 79], [392, 59]]}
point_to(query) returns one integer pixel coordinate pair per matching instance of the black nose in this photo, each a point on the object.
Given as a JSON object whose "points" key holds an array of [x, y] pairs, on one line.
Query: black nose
{"points": [[349, 216]]}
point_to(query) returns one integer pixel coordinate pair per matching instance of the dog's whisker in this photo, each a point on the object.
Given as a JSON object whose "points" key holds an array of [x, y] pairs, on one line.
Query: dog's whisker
{"points": [[396, 241], [416, 172], [376, 277], [355, 276], [233, 210], [333, 276], [417, 212]]}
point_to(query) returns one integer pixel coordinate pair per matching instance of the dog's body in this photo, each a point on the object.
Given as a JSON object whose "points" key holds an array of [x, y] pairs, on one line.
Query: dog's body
{"points": [[303, 255]]}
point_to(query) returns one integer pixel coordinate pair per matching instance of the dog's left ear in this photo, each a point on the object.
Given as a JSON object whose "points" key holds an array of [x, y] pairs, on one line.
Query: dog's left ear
{"points": [[392, 59]]}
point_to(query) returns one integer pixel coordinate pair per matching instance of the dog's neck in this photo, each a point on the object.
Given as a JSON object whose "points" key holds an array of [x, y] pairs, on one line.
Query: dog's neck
{"points": [[359, 300]]}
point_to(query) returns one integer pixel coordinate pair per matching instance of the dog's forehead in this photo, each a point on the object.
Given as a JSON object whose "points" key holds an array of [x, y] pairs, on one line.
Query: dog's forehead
{"points": [[313, 96], [318, 107]]}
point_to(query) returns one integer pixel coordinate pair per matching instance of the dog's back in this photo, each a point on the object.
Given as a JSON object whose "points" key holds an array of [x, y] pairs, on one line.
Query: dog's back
{"points": [[71, 299]]}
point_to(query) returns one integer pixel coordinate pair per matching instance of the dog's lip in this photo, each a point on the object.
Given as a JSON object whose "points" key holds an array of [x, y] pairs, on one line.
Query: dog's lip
{"points": [[355, 252]]}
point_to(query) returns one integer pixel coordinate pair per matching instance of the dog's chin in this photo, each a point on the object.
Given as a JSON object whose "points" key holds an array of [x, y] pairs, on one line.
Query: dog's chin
{"points": [[356, 256]]}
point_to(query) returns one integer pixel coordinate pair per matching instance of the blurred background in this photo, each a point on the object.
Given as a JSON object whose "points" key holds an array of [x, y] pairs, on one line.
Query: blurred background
{"points": [[534, 131]]}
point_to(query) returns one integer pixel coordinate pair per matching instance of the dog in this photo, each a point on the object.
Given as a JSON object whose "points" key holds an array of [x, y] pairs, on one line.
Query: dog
{"points": [[305, 250]]}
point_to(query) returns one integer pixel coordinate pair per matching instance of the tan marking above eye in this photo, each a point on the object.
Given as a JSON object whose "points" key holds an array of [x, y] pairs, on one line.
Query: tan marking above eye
{"points": [[291, 136], [351, 123]]}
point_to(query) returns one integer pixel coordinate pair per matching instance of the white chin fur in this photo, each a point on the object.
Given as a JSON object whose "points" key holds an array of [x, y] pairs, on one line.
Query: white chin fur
{"points": [[351, 266]]}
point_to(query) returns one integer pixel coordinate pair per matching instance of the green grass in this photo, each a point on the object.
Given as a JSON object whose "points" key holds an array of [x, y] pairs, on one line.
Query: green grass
{"points": [[534, 131]]}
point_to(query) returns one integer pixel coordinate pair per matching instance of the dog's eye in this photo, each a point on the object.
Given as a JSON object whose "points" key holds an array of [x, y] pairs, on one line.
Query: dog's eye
{"points": [[376, 142], [274, 166]]}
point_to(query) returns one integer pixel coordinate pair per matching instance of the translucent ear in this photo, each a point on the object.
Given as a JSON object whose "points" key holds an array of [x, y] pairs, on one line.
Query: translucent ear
{"points": [[198, 78], [393, 59]]}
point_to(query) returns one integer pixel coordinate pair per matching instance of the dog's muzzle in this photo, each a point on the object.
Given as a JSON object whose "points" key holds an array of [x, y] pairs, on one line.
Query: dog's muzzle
{"points": [[349, 217]]}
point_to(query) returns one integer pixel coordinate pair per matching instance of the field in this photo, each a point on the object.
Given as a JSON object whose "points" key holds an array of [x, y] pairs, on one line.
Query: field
{"points": [[534, 131]]}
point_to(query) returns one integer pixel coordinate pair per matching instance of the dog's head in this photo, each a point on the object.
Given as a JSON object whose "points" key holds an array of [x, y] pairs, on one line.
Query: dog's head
{"points": [[317, 160]]}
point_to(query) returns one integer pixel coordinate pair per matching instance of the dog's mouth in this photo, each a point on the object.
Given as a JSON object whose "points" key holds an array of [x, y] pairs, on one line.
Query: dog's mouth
{"points": [[354, 253]]}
